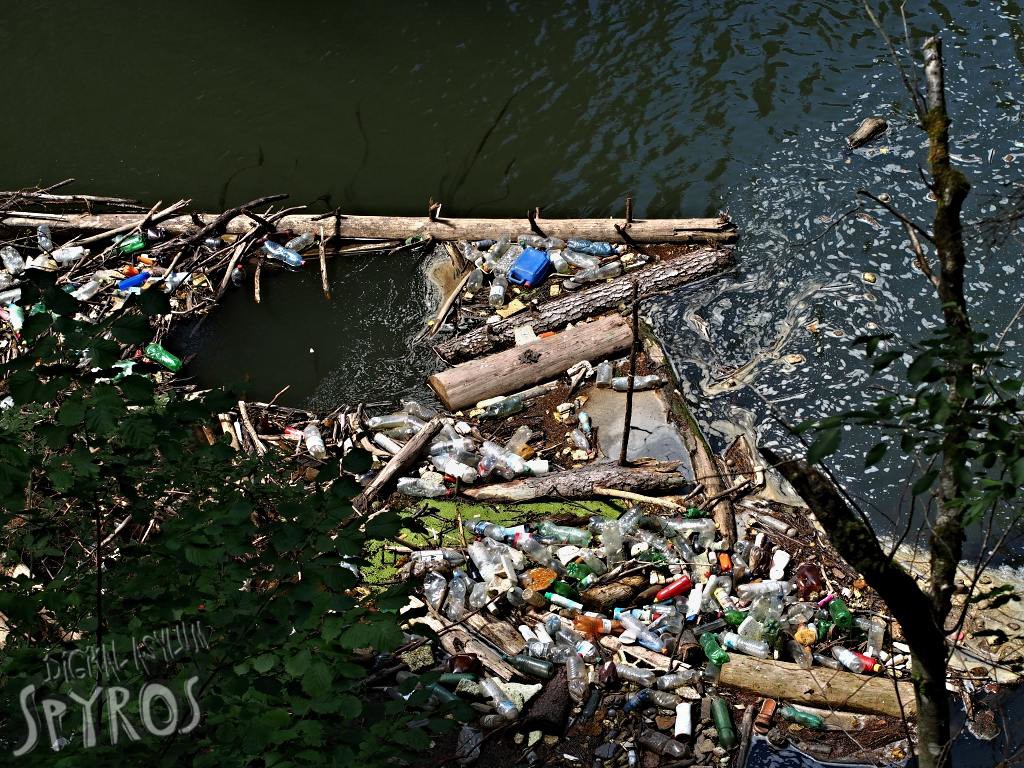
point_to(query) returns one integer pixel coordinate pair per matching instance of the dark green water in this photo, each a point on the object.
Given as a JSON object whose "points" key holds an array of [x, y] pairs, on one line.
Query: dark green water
{"points": [[496, 107]]}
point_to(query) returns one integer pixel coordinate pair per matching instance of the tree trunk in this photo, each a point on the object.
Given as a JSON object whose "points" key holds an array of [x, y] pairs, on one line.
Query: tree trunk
{"points": [[579, 483], [718, 230], [398, 464], [529, 364], [604, 297]]}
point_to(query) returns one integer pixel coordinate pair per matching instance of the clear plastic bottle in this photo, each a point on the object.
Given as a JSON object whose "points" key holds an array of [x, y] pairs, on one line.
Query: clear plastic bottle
{"points": [[420, 488], [559, 262], [282, 254], [504, 407], [300, 242], [611, 539], [314, 442], [564, 534], [849, 659], [43, 238], [581, 260], [475, 282], [458, 592], [452, 467], [631, 674], [69, 253], [575, 671], [520, 441], [499, 286], [592, 248], [383, 441], [875, 629], [734, 642], [533, 549], [478, 596], [605, 271], [660, 744], [644, 636], [750, 629], [515, 463], [435, 587], [763, 588], [677, 679], [393, 421], [801, 654], [479, 527], [13, 261], [640, 383], [502, 705]]}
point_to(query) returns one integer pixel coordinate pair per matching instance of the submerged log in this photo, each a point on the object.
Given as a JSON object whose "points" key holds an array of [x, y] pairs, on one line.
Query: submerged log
{"points": [[868, 130], [553, 315], [579, 483], [529, 364], [819, 685], [621, 591], [717, 230], [398, 464]]}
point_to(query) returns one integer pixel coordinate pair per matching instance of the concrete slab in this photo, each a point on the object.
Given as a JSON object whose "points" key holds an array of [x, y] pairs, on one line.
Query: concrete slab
{"points": [[651, 434]]}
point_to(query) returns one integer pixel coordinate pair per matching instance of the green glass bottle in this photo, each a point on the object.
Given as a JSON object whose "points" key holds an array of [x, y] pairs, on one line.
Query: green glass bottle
{"points": [[160, 355], [713, 650], [841, 614], [734, 617], [806, 719], [824, 625], [132, 244], [770, 633], [723, 723], [531, 666], [581, 573], [693, 512], [565, 590]]}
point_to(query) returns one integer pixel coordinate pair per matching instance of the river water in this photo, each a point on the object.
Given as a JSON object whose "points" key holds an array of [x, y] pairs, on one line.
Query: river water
{"points": [[691, 108]]}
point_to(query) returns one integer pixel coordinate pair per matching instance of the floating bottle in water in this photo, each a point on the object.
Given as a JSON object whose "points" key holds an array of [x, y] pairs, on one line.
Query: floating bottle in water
{"points": [[420, 488], [314, 442], [43, 238], [640, 383], [593, 248], [282, 254], [300, 243]]}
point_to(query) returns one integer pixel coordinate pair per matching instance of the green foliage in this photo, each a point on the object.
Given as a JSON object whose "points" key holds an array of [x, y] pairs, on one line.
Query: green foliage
{"points": [[264, 567]]}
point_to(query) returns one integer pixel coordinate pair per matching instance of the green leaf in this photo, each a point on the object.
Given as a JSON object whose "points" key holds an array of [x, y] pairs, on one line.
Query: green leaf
{"points": [[875, 455], [886, 359], [920, 368], [264, 662], [357, 461], [23, 386], [298, 664], [826, 444], [379, 635], [104, 352], [924, 482], [61, 302], [105, 410], [72, 412], [137, 389], [137, 431], [317, 681], [132, 329], [154, 303]]}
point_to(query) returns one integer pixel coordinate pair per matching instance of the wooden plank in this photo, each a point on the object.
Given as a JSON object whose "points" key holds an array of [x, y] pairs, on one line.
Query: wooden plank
{"points": [[579, 483], [706, 230], [398, 464], [598, 299], [524, 366], [457, 640], [819, 686]]}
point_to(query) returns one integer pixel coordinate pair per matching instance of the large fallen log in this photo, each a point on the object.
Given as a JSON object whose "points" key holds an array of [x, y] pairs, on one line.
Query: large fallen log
{"points": [[530, 364], [818, 686], [717, 230], [398, 464], [579, 483], [573, 307]]}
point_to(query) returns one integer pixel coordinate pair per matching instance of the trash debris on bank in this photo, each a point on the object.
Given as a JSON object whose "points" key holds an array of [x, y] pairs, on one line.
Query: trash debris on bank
{"points": [[699, 620]]}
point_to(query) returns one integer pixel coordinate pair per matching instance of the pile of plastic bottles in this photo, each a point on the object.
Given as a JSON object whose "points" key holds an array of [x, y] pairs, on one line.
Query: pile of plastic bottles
{"points": [[532, 258], [747, 601]]}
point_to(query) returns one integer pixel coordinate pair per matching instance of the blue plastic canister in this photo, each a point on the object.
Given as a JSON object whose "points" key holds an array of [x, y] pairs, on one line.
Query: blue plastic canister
{"points": [[530, 268], [134, 281]]}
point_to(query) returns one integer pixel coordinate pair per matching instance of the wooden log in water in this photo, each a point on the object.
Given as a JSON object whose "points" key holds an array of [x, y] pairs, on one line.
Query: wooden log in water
{"points": [[573, 307], [869, 128], [529, 364], [398, 464], [716, 230], [579, 483]]}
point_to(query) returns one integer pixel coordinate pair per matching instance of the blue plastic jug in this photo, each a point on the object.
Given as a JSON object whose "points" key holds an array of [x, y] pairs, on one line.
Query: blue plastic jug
{"points": [[530, 268]]}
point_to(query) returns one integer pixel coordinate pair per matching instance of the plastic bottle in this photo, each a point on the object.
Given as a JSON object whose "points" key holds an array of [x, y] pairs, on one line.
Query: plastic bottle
{"points": [[713, 650], [579, 440], [677, 587], [867, 663], [780, 559], [801, 654], [131, 244], [703, 527], [393, 421], [603, 374], [513, 462], [43, 238], [533, 549], [158, 354], [574, 671], [693, 602], [721, 593], [596, 625], [13, 261], [580, 572], [677, 679], [660, 744], [475, 282], [841, 615], [458, 591], [750, 629], [640, 383], [565, 602], [314, 442], [501, 702], [723, 722], [581, 260], [282, 254], [559, 262], [593, 248], [69, 253], [435, 587], [452, 467], [763, 588], [757, 648], [478, 596], [826, 661], [611, 539], [519, 443], [531, 666], [605, 271], [420, 488], [757, 554], [644, 636], [493, 531], [875, 629], [504, 407], [806, 719], [631, 674], [593, 562], [300, 242], [499, 285], [135, 281], [564, 534], [684, 719]]}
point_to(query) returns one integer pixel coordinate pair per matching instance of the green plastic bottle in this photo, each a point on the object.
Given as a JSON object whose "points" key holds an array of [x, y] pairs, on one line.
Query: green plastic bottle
{"points": [[734, 617], [132, 244], [531, 666], [565, 590], [693, 512], [823, 626], [770, 633], [581, 573], [841, 614], [723, 723], [713, 650], [160, 355]]}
